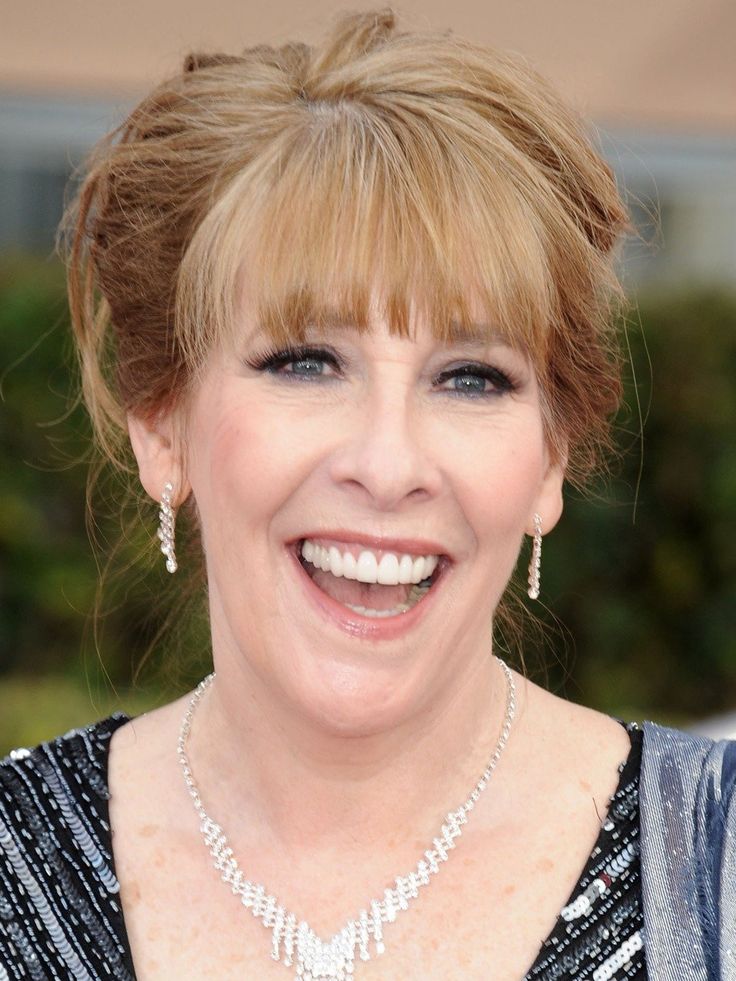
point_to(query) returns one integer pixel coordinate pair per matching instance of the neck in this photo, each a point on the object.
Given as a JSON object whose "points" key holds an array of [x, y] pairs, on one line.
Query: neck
{"points": [[303, 787]]}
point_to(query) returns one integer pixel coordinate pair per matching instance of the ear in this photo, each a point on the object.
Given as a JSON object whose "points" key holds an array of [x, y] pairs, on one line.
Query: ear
{"points": [[157, 446], [549, 503]]}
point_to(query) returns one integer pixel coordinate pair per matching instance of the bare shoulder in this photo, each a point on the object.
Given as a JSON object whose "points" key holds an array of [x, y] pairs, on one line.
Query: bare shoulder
{"points": [[573, 750], [540, 825], [149, 732], [573, 723], [142, 768]]}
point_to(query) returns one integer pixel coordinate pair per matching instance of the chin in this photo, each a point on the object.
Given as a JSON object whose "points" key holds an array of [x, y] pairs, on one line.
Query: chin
{"points": [[356, 700]]}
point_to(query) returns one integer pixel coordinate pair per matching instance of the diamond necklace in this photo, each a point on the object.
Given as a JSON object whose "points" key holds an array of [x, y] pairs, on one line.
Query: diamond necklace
{"points": [[296, 941]]}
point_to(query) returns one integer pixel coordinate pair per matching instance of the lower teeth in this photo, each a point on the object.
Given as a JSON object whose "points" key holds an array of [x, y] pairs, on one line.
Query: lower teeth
{"points": [[416, 593]]}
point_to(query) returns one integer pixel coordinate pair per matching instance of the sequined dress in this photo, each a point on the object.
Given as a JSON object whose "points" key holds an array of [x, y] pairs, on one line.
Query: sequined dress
{"points": [[61, 918]]}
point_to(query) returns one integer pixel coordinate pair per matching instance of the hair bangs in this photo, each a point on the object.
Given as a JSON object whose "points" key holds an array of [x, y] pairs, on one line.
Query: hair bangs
{"points": [[367, 216]]}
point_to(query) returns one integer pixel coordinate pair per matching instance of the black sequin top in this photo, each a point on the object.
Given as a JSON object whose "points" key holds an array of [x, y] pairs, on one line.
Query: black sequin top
{"points": [[600, 930], [61, 918]]}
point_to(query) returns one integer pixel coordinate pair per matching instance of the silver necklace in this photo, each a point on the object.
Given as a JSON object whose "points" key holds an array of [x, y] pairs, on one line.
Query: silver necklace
{"points": [[294, 941]]}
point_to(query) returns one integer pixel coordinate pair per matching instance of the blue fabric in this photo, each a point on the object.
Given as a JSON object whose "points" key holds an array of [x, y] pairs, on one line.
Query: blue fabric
{"points": [[687, 799]]}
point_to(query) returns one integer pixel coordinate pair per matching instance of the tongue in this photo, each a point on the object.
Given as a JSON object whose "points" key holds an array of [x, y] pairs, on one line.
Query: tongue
{"points": [[372, 596]]}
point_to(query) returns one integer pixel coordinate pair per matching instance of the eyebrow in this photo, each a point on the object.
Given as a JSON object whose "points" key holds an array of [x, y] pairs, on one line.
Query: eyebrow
{"points": [[480, 335], [477, 335]]}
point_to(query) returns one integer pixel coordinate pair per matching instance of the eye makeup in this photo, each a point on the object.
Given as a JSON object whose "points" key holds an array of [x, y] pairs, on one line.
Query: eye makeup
{"points": [[311, 359]]}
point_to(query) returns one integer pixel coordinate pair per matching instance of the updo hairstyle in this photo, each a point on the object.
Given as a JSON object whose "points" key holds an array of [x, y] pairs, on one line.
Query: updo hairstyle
{"points": [[437, 177], [432, 172]]}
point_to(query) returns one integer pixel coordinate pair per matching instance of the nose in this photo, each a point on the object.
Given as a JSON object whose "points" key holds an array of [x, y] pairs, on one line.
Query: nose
{"points": [[387, 454]]}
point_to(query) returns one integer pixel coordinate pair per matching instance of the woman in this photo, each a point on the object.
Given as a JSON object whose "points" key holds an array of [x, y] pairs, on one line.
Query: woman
{"points": [[351, 304]]}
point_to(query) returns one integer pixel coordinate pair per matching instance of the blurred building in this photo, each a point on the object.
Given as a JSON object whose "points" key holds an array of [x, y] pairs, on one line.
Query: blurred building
{"points": [[659, 81]]}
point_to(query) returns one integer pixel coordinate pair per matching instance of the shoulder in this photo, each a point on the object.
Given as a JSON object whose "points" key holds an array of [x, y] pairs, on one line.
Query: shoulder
{"points": [[688, 794], [688, 846], [70, 767], [692, 777], [675, 762], [55, 786], [57, 879], [571, 739]]}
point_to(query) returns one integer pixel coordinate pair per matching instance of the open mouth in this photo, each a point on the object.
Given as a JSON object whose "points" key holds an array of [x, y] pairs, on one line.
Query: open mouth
{"points": [[353, 579]]}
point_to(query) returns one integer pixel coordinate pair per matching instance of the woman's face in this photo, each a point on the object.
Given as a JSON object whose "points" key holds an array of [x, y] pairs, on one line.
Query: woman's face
{"points": [[364, 444]]}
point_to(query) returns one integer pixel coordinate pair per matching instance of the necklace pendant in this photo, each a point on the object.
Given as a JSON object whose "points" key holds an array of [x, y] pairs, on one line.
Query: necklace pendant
{"points": [[320, 961]]}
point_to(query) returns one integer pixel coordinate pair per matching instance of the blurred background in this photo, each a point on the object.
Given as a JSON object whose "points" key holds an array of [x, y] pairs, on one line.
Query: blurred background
{"points": [[639, 581]]}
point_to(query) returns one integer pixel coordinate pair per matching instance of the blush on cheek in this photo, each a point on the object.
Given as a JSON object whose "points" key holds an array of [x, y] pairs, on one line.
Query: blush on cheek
{"points": [[248, 466]]}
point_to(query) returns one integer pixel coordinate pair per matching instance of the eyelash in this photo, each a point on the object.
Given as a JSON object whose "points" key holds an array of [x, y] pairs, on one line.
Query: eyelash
{"points": [[273, 360]]}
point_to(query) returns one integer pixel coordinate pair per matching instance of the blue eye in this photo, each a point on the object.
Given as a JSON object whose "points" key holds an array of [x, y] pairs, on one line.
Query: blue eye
{"points": [[477, 381], [305, 366], [474, 380], [305, 362], [469, 384]]}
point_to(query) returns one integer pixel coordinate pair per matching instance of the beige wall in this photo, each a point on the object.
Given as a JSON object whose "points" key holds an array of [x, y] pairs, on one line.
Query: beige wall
{"points": [[667, 63]]}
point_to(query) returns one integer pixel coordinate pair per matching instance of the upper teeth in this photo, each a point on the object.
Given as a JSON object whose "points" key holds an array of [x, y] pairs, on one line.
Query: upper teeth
{"points": [[391, 570]]}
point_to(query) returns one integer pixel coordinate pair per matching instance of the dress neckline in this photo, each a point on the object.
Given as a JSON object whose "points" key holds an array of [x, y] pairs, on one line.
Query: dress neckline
{"points": [[628, 770]]}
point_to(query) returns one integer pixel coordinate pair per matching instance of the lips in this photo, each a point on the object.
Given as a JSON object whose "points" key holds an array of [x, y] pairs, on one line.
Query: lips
{"points": [[370, 609], [378, 544]]}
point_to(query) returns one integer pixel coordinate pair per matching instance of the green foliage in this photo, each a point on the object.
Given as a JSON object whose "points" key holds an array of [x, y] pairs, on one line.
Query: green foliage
{"points": [[48, 574], [44, 706], [46, 579], [643, 576]]}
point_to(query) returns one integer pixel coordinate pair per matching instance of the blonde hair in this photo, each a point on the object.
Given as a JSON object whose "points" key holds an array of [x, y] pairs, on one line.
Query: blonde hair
{"points": [[432, 175], [437, 173]]}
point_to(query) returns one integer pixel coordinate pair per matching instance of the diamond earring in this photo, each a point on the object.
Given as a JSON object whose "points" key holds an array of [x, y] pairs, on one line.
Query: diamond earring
{"points": [[535, 562], [167, 518]]}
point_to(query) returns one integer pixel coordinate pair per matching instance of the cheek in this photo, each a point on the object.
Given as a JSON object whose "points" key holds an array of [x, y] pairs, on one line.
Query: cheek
{"points": [[250, 460], [498, 474]]}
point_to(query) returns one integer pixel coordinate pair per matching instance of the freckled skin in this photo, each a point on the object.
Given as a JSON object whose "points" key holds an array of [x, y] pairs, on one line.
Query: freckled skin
{"points": [[494, 903], [133, 893]]}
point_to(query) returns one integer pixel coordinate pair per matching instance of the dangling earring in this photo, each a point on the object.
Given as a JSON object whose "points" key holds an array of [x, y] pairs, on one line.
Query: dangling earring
{"points": [[535, 563], [165, 532]]}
